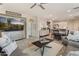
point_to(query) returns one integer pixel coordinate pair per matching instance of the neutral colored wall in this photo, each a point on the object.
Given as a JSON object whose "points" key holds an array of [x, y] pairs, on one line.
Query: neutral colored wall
{"points": [[71, 25], [43, 22]]}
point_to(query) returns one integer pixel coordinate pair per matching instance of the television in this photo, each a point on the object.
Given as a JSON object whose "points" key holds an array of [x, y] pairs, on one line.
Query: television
{"points": [[11, 24], [15, 24]]}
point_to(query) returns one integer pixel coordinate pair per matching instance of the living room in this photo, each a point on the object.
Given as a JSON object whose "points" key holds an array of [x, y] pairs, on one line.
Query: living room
{"points": [[39, 29]]}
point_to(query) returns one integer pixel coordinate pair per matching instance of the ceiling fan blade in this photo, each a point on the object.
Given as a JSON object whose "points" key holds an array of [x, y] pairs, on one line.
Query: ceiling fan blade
{"points": [[1, 3], [33, 5], [76, 8], [42, 7], [43, 3]]}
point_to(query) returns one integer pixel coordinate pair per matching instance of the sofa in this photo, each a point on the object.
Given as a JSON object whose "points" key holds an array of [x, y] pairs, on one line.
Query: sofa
{"points": [[73, 53], [8, 46], [72, 39]]}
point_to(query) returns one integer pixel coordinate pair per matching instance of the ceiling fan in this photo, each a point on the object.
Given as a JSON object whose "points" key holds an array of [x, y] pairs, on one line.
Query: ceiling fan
{"points": [[75, 9], [38, 4]]}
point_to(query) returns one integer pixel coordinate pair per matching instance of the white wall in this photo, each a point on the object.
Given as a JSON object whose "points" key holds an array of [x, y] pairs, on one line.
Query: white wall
{"points": [[27, 25]]}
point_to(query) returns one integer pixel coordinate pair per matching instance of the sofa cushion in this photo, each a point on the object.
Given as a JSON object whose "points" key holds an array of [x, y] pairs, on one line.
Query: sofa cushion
{"points": [[74, 37], [73, 53], [7, 45], [10, 48], [4, 41]]}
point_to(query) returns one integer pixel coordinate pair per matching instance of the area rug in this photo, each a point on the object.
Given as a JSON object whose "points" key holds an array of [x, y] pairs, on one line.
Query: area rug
{"points": [[54, 51]]}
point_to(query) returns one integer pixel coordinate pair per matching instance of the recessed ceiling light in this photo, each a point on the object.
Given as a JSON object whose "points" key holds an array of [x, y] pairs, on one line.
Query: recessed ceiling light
{"points": [[68, 10], [53, 19]]}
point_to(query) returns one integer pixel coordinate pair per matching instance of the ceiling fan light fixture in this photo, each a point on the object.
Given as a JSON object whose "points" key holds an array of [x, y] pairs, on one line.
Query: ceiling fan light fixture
{"points": [[38, 4]]}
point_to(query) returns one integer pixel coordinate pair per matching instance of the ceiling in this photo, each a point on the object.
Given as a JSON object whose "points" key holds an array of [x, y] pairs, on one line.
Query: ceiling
{"points": [[53, 10]]}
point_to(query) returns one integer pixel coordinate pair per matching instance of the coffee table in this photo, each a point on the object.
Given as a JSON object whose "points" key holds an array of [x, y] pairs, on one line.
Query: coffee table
{"points": [[42, 44]]}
